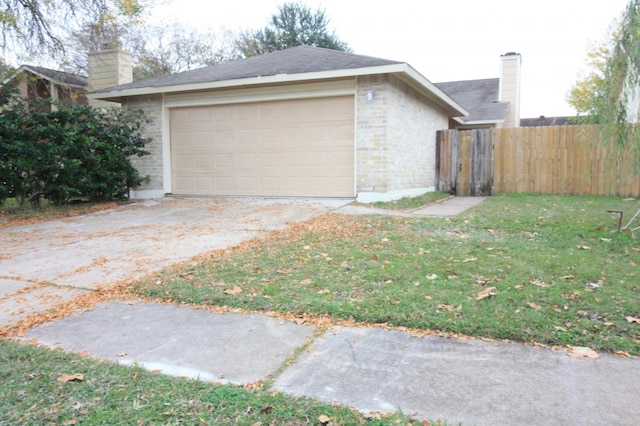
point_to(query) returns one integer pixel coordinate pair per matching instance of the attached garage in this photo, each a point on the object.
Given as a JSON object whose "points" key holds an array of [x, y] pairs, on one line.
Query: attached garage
{"points": [[300, 147], [301, 122]]}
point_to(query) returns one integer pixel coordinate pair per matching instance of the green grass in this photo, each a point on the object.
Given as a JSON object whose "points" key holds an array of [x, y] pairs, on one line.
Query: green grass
{"points": [[562, 273], [30, 394], [410, 203]]}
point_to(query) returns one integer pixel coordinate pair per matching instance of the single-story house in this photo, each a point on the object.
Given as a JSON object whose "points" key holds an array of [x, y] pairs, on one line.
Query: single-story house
{"points": [[305, 121], [43, 83]]}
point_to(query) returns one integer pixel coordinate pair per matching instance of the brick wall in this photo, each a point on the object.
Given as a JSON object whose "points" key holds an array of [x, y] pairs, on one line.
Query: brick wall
{"points": [[150, 165], [395, 137]]}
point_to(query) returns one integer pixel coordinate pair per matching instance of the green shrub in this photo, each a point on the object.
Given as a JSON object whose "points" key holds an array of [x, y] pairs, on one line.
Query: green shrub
{"points": [[72, 151]]}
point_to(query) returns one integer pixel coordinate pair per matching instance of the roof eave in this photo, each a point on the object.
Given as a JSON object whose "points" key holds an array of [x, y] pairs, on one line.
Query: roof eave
{"points": [[239, 82], [401, 69], [478, 122], [48, 78], [432, 91]]}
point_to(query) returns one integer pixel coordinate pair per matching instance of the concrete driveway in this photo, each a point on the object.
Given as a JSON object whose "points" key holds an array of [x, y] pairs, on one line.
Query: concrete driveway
{"points": [[47, 263]]}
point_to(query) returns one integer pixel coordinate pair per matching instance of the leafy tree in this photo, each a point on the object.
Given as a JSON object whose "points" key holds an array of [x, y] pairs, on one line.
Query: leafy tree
{"points": [[38, 26], [295, 24], [618, 105], [156, 50], [590, 86]]}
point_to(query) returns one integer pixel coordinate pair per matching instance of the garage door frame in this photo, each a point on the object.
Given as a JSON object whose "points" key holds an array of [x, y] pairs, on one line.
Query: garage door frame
{"points": [[343, 87]]}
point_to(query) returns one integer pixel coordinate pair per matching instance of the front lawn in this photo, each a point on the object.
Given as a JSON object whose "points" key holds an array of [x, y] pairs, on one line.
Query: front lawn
{"points": [[48, 387], [531, 268]]}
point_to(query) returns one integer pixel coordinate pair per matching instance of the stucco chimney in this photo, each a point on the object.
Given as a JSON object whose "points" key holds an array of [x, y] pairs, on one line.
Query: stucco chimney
{"points": [[108, 68], [510, 64]]}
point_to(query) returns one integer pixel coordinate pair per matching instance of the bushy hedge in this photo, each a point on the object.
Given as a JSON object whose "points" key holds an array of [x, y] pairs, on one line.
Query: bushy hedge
{"points": [[70, 152]]}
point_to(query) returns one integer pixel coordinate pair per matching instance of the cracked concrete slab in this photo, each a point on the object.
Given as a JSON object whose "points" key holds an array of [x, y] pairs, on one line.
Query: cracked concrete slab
{"points": [[179, 340], [464, 381], [131, 241]]}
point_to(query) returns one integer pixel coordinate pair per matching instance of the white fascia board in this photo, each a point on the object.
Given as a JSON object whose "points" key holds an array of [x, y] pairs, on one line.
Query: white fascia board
{"points": [[478, 122], [437, 94], [401, 69], [253, 81]]}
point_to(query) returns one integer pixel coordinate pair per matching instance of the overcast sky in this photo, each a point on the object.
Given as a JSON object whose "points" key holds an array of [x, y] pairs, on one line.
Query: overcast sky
{"points": [[448, 40]]}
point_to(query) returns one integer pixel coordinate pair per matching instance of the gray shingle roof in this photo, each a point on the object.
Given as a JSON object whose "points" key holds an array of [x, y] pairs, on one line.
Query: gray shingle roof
{"points": [[546, 121], [295, 60], [479, 97], [59, 77]]}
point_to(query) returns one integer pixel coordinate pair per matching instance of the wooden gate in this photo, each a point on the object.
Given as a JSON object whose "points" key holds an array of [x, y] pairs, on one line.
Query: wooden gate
{"points": [[464, 162]]}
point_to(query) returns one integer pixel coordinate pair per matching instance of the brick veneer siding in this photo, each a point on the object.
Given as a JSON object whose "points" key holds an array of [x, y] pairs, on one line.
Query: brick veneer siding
{"points": [[152, 164], [395, 138]]}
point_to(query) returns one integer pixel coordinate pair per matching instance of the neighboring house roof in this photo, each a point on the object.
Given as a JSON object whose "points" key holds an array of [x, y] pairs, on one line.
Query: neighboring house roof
{"points": [[58, 77], [300, 63], [480, 98], [546, 121]]}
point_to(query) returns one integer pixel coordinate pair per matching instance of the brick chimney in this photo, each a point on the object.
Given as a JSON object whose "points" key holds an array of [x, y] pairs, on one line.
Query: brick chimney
{"points": [[510, 64], [108, 68]]}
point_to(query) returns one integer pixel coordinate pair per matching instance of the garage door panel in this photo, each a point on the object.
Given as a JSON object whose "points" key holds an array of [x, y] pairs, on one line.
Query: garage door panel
{"points": [[282, 148]]}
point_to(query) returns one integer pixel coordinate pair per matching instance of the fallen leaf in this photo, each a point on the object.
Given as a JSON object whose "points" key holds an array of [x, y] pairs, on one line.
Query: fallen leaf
{"points": [[235, 290], [470, 259], [385, 240], [632, 320], [71, 378], [432, 277], [595, 285], [447, 307], [307, 247], [558, 328], [584, 247], [539, 283], [324, 291], [606, 240], [306, 281], [487, 292], [324, 419], [582, 352], [283, 271], [532, 305]]}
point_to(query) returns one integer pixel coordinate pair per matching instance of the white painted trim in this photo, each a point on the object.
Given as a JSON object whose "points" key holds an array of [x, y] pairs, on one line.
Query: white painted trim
{"points": [[432, 91], [372, 197], [355, 141], [146, 194], [235, 96], [166, 147], [411, 76], [252, 81], [461, 121]]}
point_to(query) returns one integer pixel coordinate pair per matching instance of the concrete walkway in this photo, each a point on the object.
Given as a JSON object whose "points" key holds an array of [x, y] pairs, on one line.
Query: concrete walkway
{"points": [[464, 381], [446, 208], [461, 381]]}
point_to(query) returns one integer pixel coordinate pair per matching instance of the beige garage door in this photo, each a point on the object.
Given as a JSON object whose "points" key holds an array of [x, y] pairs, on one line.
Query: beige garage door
{"points": [[279, 148]]}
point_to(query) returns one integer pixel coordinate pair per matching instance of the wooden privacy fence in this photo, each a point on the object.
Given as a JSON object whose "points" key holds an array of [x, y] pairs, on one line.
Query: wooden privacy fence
{"points": [[550, 160]]}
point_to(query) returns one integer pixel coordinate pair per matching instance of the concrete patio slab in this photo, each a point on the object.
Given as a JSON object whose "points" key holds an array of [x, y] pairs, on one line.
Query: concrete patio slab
{"points": [[180, 341]]}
